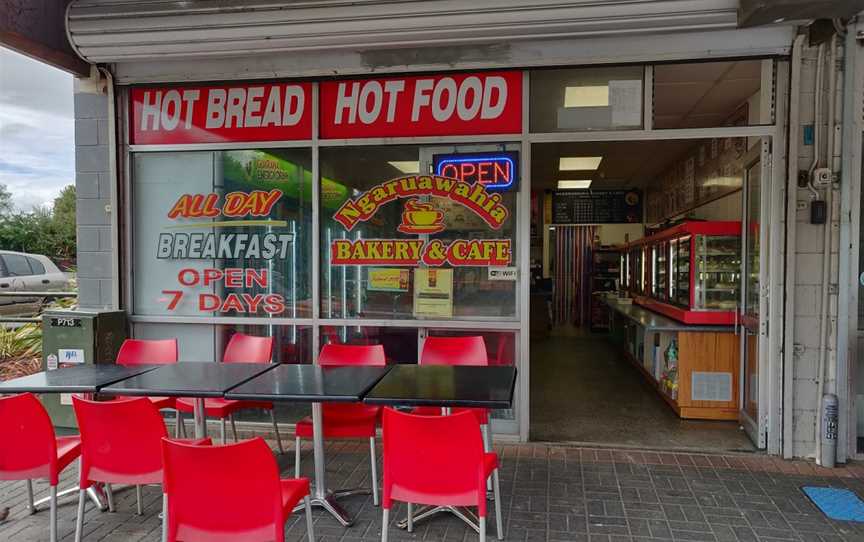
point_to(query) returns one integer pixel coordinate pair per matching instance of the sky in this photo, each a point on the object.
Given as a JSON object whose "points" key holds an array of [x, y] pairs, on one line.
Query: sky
{"points": [[37, 134]]}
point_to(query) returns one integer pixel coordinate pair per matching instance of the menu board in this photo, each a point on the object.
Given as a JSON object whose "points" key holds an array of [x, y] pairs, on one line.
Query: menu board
{"points": [[596, 207]]}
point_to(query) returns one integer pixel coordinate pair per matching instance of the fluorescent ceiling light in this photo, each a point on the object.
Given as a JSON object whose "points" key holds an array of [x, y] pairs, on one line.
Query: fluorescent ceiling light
{"points": [[579, 163], [571, 185], [406, 166], [588, 96]]}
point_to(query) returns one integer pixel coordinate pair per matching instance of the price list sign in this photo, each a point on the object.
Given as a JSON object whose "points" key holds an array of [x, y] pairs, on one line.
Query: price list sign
{"points": [[596, 207]]}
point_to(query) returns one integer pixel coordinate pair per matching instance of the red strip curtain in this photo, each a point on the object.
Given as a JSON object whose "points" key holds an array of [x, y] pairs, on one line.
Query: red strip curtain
{"points": [[574, 247]]}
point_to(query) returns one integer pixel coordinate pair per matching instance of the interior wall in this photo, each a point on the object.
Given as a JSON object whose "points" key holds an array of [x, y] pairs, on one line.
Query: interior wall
{"points": [[729, 207], [617, 234]]}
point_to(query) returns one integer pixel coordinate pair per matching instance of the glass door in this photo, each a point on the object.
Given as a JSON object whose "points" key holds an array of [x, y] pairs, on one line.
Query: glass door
{"points": [[752, 315], [477, 228]]}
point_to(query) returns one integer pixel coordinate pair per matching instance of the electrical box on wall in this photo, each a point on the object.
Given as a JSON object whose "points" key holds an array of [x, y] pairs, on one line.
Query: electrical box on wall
{"points": [[818, 211]]}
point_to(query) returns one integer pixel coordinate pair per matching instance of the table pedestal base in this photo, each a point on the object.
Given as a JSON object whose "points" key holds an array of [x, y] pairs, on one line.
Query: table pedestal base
{"points": [[329, 504], [462, 513]]}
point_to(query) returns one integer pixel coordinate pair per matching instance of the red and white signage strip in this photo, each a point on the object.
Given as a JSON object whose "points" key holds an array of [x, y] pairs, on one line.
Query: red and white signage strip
{"points": [[220, 114], [426, 105]]}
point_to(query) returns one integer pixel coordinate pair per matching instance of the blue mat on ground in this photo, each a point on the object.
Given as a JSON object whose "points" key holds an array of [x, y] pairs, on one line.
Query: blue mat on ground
{"points": [[836, 503]]}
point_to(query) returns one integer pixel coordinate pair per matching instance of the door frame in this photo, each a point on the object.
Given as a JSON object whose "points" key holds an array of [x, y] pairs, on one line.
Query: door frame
{"points": [[756, 429]]}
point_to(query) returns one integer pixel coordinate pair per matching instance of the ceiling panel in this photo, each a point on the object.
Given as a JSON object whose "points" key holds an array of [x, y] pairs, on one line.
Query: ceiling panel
{"points": [[702, 94], [625, 163]]}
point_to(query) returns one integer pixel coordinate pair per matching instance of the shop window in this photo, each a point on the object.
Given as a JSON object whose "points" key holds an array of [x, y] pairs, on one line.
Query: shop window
{"points": [[566, 100], [206, 343], [392, 249], [222, 233], [710, 94], [500, 349], [402, 345]]}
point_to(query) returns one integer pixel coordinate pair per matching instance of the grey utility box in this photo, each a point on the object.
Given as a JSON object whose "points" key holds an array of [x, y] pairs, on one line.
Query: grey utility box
{"points": [[74, 337]]}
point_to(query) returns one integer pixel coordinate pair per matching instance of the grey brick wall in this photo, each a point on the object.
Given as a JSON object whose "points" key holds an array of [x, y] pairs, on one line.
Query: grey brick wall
{"points": [[93, 188], [809, 242]]}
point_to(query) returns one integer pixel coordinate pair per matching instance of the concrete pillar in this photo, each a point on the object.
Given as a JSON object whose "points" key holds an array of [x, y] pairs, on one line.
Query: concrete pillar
{"points": [[93, 188]]}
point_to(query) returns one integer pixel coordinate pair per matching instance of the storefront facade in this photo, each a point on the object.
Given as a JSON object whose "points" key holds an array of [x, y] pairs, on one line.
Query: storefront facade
{"points": [[365, 172]]}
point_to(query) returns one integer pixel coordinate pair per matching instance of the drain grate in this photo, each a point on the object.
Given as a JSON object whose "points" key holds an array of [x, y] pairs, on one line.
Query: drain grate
{"points": [[840, 504]]}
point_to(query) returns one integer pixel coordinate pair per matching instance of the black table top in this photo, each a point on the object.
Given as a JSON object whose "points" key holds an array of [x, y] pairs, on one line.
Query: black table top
{"points": [[445, 386], [310, 383], [76, 379], [189, 379]]}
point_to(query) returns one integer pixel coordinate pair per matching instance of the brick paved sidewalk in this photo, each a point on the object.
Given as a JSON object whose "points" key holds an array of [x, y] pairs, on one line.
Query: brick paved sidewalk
{"points": [[550, 494]]}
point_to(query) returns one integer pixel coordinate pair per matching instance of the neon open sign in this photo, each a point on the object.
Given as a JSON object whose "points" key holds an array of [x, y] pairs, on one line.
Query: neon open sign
{"points": [[494, 170]]}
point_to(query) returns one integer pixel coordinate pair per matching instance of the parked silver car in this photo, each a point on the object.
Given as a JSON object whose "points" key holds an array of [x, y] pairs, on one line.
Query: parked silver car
{"points": [[20, 272]]}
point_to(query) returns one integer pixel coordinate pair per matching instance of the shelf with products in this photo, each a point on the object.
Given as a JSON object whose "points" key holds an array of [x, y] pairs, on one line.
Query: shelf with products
{"points": [[695, 271], [605, 277]]}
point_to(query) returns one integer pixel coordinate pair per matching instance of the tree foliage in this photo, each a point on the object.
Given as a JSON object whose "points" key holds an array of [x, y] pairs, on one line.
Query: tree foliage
{"points": [[5, 201], [41, 231]]}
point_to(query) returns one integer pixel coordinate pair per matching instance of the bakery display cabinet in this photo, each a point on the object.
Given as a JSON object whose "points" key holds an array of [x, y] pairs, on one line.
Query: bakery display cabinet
{"points": [[690, 272]]}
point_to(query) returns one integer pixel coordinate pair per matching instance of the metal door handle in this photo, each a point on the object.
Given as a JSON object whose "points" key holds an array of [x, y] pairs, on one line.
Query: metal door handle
{"points": [[45, 281], [736, 319], [4, 285]]}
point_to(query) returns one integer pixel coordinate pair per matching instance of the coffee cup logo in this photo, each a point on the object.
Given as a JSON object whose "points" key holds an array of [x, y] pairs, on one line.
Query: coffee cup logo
{"points": [[419, 217]]}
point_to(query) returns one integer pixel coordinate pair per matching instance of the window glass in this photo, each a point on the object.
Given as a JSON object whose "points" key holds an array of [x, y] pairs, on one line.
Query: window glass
{"points": [[3, 272], [564, 100], [402, 345], [223, 233], [500, 350], [709, 94], [36, 266], [206, 343], [394, 248], [16, 265]]}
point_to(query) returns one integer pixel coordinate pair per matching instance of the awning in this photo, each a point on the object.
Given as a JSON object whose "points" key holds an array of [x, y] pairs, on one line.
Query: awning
{"points": [[281, 36]]}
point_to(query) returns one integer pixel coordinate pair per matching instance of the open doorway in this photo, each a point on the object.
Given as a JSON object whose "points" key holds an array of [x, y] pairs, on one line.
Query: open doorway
{"points": [[636, 292]]}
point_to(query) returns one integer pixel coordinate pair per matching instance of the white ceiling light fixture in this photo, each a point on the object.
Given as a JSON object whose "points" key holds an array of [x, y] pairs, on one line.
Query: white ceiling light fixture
{"points": [[579, 163], [587, 96], [406, 166], [574, 185]]}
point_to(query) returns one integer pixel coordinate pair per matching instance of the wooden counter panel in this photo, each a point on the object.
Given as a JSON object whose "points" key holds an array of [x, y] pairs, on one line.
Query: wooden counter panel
{"points": [[710, 353]]}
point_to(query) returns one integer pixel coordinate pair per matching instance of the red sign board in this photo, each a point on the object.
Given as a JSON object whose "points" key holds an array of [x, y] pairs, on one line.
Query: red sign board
{"points": [[425, 105], [224, 113]]}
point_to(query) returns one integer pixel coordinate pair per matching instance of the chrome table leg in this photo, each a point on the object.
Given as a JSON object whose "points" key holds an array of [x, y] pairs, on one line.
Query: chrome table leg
{"points": [[200, 418], [320, 496]]}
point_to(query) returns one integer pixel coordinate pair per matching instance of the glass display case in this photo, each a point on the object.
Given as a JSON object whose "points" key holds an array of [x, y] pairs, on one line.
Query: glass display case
{"points": [[694, 272], [637, 270], [660, 271], [625, 270], [718, 266]]}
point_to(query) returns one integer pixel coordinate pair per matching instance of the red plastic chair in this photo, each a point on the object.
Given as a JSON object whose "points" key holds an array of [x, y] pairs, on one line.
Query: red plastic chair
{"points": [[121, 443], [346, 420], [439, 461], [149, 352], [241, 349], [211, 500], [29, 448], [457, 351]]}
